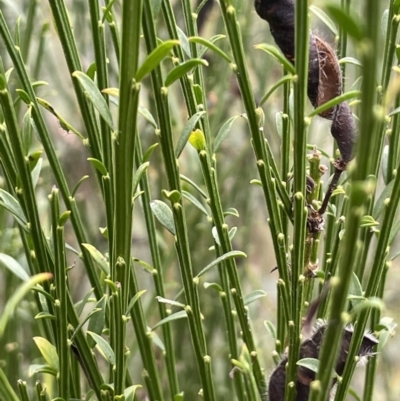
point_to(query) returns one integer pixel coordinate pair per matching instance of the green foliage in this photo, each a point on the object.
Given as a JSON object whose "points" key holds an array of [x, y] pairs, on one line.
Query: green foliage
{"points": [[152, 269]]}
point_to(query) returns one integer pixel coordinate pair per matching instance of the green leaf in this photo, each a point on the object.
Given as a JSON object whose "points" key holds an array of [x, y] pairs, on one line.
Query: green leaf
{"points": [[280, 82], [80, 305], [17, 296], [141, 170], [231, 212], [183, 39], [355, 290], [98, 165], [179, 397], [277, 55], [149, 152], [48, 352], [222, 258], [182, 69], [175, 316], [163, 214], [38, 368], [335, 101], [155, 58], [26, 131], [170, 302], [368, 221], [208, 44], [13, 206], [133, 301], [187, 130], [45, 315], [104, 347], [253, 296], [325, 19], [148, 116], [311, 364], [130, 392], [13, 266], [195, 202], [346, 21], [350, 60], [97, 319], [270, 328], [368, 303], [98, 258], [214, 286], [194, 185], [223, 133], [380, 203], [156, 339], [95, 96]]}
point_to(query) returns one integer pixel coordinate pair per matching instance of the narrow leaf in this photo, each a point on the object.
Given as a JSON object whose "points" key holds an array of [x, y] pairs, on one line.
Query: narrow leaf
{"points": [[209, 45], [225, 256], [253, 296], [163, 214], [175, 316], [104, 347], [223, 133], [13, 266], [98, 258], [277, 55], [155, 58], [48, 352], [182, 69], [187, 130], [95, 97]]}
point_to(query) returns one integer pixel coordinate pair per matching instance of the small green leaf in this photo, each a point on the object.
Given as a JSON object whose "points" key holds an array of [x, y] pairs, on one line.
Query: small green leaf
{"points": [[350, 60], [130, 392], [183, 39], [277, 55], [197, 140], [155, 58], [335, 101], [80, 305], [187, 130], [163, 214], [214, 286], [280, 82], [179, 397], [355, 290], [325, 19], [141, 170], [133, 301], [149, 152], [38, 368], [231, 212], [253, 296], [13, 206], [45, 315], [17, 296], [369, 303], [170, 302], [156, 339], [173, 196], [270, 328], [98, 165], [175, 316], [208, 44], [97, 319], [13, 266], [368, 221], [95, 97], [48, 352], [195, 202], [104, 347], [225, 256], [223, 133], [380, 203], [194, 185], [346, 21], [182, 69], [98, 258], [148, 116], [26, 131]]}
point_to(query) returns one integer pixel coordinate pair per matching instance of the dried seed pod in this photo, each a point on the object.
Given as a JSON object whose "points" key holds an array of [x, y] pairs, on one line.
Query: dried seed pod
{"points": [[324, 76], [310, 348]]}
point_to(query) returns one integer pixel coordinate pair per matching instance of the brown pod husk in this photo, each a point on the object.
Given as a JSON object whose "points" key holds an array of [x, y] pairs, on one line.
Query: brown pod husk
{"points": [[310, 348], [324, 75]]}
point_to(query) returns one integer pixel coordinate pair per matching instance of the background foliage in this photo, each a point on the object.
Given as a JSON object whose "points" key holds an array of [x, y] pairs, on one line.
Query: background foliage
{"points": [[71, 135]]}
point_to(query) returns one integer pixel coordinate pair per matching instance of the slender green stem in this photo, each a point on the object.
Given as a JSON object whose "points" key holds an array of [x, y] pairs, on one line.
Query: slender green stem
{"points": [[61, 291]]}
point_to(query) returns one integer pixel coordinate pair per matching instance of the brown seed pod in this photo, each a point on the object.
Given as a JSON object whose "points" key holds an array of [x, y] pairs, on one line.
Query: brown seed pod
{"points": [[324, 78], [310, 348]]}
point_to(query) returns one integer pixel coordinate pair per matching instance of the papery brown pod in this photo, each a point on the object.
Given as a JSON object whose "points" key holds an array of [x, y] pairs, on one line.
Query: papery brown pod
{"points": [[310, 348], [324, 79]]}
